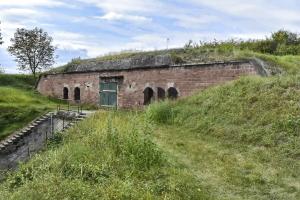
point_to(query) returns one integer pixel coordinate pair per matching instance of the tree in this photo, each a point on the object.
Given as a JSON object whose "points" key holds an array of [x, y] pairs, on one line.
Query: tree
{"points": [[33, 49], [286, 37]]}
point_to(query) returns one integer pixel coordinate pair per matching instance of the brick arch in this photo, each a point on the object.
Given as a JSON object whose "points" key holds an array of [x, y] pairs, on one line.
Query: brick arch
{"points": [[172, 93], [65, 93], [148, 95], [77, 94], [161, 93]]}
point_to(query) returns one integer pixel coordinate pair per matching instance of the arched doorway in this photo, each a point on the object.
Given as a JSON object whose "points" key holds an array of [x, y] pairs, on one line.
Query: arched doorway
{"points": [[161, 94], [66, 93], [77, 94], [148, 95], [172, 93]]}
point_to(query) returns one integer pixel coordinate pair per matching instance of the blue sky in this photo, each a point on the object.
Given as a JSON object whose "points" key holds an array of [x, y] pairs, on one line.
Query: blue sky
{"points": [[90, 28]]}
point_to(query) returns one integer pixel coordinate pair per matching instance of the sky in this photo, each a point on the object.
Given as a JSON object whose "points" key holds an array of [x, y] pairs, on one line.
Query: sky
{"points": [[90, 28]]}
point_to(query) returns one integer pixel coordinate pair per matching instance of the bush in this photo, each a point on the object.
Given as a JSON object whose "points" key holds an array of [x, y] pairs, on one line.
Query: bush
{"points": [[281, 42]]}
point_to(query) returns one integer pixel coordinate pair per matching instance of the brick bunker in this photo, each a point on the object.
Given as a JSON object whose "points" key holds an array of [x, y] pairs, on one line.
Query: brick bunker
{"points": [[134, 82]]}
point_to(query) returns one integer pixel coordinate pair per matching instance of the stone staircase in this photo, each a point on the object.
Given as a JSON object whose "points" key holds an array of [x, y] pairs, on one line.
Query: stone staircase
{"points": [[17, 136], [19, 146]]}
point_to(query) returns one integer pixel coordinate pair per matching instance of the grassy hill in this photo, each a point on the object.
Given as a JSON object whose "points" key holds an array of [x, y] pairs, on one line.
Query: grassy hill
{"points": [[19, 103], [240, 140]]}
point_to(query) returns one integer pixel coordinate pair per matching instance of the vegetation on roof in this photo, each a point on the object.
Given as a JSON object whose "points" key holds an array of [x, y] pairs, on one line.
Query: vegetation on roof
{"points": [[270, 49]]}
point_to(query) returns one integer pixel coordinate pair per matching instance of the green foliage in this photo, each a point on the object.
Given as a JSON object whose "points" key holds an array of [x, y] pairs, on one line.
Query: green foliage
{"points": [[280, 43], [32, 49], [177, 59], [286, 37]]}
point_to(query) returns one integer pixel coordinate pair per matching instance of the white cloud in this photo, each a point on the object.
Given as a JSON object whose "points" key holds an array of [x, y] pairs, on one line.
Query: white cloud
{"points": [[194, 21], [70, 40], [24, 12], [125, 10], [30, 3], [271, 14], [124, 6], [249, 35], [76, 41], [112, 16]]}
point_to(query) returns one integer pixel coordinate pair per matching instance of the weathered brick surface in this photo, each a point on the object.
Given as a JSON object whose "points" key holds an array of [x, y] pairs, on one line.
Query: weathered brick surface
{"points": [[186, 80]]}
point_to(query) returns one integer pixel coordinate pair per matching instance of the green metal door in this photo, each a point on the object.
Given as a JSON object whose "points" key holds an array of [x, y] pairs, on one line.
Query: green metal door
{"points": [[108, 94]]}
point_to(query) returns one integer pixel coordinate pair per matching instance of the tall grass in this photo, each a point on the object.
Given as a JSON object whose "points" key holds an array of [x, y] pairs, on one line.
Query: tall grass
{"points": [[109, 156], [161, 112], [244, 135]]}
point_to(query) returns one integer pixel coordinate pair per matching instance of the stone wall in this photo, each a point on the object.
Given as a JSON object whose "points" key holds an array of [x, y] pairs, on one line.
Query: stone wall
{"points": [[20, 146], [186, 79]]}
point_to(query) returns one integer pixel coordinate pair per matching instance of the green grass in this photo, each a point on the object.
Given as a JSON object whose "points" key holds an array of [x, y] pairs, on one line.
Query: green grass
{"points": [[109, 156], [241, 139], [289, 64], [17, 81], [19, 103], [236, 141]]}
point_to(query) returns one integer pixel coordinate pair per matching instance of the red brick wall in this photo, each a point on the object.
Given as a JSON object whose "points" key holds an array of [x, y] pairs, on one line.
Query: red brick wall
{"points": [[186, 80]]}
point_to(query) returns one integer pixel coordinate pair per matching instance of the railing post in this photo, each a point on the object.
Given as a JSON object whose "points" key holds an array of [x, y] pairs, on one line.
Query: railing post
{"points": [[46, 139], [28, 151], [63, 123], [51, 124]]}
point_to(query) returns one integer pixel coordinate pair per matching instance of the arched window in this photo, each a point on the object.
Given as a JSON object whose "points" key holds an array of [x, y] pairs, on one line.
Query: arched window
{"points": [[148, 96], [172, 93], [66, 93], [77, 94], [161, 94]]}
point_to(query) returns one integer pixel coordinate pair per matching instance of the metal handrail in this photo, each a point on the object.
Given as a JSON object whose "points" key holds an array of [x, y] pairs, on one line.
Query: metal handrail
{"points": [[69, 107]]}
